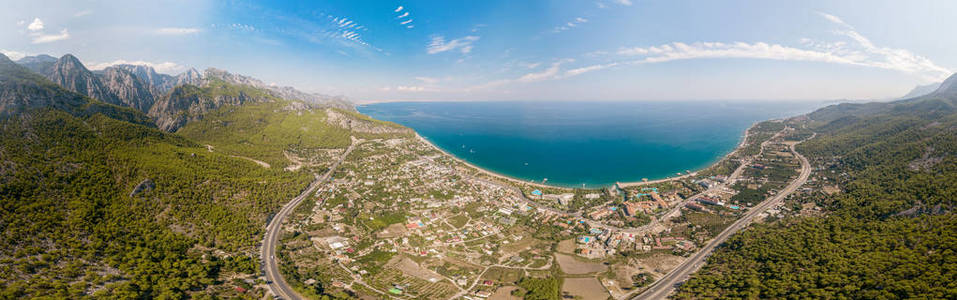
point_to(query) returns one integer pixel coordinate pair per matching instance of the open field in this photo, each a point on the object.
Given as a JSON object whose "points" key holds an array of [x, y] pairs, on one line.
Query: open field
{"points": [[571, 265], [586, 288]]}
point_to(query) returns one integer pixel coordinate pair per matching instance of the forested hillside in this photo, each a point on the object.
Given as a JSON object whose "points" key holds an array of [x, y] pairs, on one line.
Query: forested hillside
{"points": [[95, 201], [889, 234]]}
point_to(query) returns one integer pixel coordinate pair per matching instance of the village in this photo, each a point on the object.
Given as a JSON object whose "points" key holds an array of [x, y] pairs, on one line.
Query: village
{"points": [[402, 220]]}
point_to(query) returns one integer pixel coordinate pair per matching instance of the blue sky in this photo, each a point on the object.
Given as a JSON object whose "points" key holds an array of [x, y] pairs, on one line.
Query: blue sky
{"points": [[514, 50]]}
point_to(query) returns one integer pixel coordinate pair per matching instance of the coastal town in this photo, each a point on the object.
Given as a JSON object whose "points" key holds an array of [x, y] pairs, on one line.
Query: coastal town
{"points": [[401, 219]]}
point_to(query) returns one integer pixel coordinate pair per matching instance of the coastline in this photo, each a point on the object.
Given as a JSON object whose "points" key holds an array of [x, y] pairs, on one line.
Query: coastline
{"points": [[740, 145], [485, 171]]}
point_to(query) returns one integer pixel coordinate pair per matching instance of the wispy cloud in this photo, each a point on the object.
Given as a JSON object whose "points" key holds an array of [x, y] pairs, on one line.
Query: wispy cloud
{"points": [[862, 52], [427, 80], [570, 24], [550, 73], [438, 44], [162, 67], [623, 2], [586, 69], [347, 29], [81, 13], [404, 15], [177, 30], [408, 89], [47, 38]]}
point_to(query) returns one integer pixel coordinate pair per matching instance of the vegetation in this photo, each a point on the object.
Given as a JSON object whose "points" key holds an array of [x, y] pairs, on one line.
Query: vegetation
{"points": [[889, 235], [541, 288], [264, 130], [71, 225]]}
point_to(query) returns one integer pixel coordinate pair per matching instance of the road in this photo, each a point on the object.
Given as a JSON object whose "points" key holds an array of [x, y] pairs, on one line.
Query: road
{"points": [[277, 284], [664, 286]]}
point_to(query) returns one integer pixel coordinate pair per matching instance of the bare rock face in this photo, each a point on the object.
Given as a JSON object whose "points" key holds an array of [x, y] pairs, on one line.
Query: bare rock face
{"points": [[22, 89], [187, 103], [69, 73], [191, 77], [128, 88], [145, 186], [158, 83], [282, 92]]}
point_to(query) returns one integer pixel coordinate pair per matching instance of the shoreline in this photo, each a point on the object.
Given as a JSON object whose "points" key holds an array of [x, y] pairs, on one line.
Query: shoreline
{"points": [[740, 145], [485, 171]]}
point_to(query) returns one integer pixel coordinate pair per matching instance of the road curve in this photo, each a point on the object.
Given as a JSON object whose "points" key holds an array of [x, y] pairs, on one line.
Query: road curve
{"points": [[277, 284], [664, 286]]}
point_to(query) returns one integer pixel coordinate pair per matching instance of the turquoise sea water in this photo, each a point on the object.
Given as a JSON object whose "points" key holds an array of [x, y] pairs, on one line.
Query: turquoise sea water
{"points": [[590, 143]]}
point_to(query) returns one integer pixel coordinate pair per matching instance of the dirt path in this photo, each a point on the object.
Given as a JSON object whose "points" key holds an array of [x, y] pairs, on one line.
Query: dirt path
{"points": [[259, 162]]}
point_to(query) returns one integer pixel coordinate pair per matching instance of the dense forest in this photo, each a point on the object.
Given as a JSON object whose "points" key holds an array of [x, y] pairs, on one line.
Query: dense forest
{"points": [[95, 201], [890, 234], [72, 224]]}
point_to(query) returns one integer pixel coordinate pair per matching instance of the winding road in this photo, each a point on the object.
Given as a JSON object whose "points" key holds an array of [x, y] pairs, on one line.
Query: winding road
{"points": [[664, 286], [277, 284]]}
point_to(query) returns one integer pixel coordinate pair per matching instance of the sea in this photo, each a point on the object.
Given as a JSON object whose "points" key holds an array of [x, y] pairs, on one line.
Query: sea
{"points": [[586, 143]]}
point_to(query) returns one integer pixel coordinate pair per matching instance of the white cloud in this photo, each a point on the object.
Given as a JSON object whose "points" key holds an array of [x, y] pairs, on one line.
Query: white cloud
{"points": [[623, 2], [427, 80], [83, 13], [544, 74], [439, 45], [406, 22], [570, 24], [36, 25], [414, 89], [406, 14], [46, 38], [398, 9], [861, 52], [162, 67], [583, 70], [177, 30], [13, 55]]}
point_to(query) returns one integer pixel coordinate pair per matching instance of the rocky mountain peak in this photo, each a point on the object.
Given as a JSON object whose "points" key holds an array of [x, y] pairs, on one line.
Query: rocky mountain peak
{"points": [[223, 75], [128, 88], [191, 77], [70, 73]]}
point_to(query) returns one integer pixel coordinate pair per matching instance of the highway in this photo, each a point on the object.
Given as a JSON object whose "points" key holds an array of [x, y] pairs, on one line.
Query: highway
{"points": [[664, 286], [277, 284]]}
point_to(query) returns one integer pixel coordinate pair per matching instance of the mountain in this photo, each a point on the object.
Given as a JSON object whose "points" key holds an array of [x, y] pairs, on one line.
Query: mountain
{"points": [[948, 88], [189, 102], [921, 90], [42, 64], [128, 88], [22, 90], [283, 92], [117, 208], [170, 100], [160, 83], [70, 73], [216, 88], [191, 76]]}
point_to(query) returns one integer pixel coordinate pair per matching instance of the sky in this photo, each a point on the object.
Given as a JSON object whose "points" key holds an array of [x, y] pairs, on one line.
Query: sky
{"points": [[387, 50]]}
